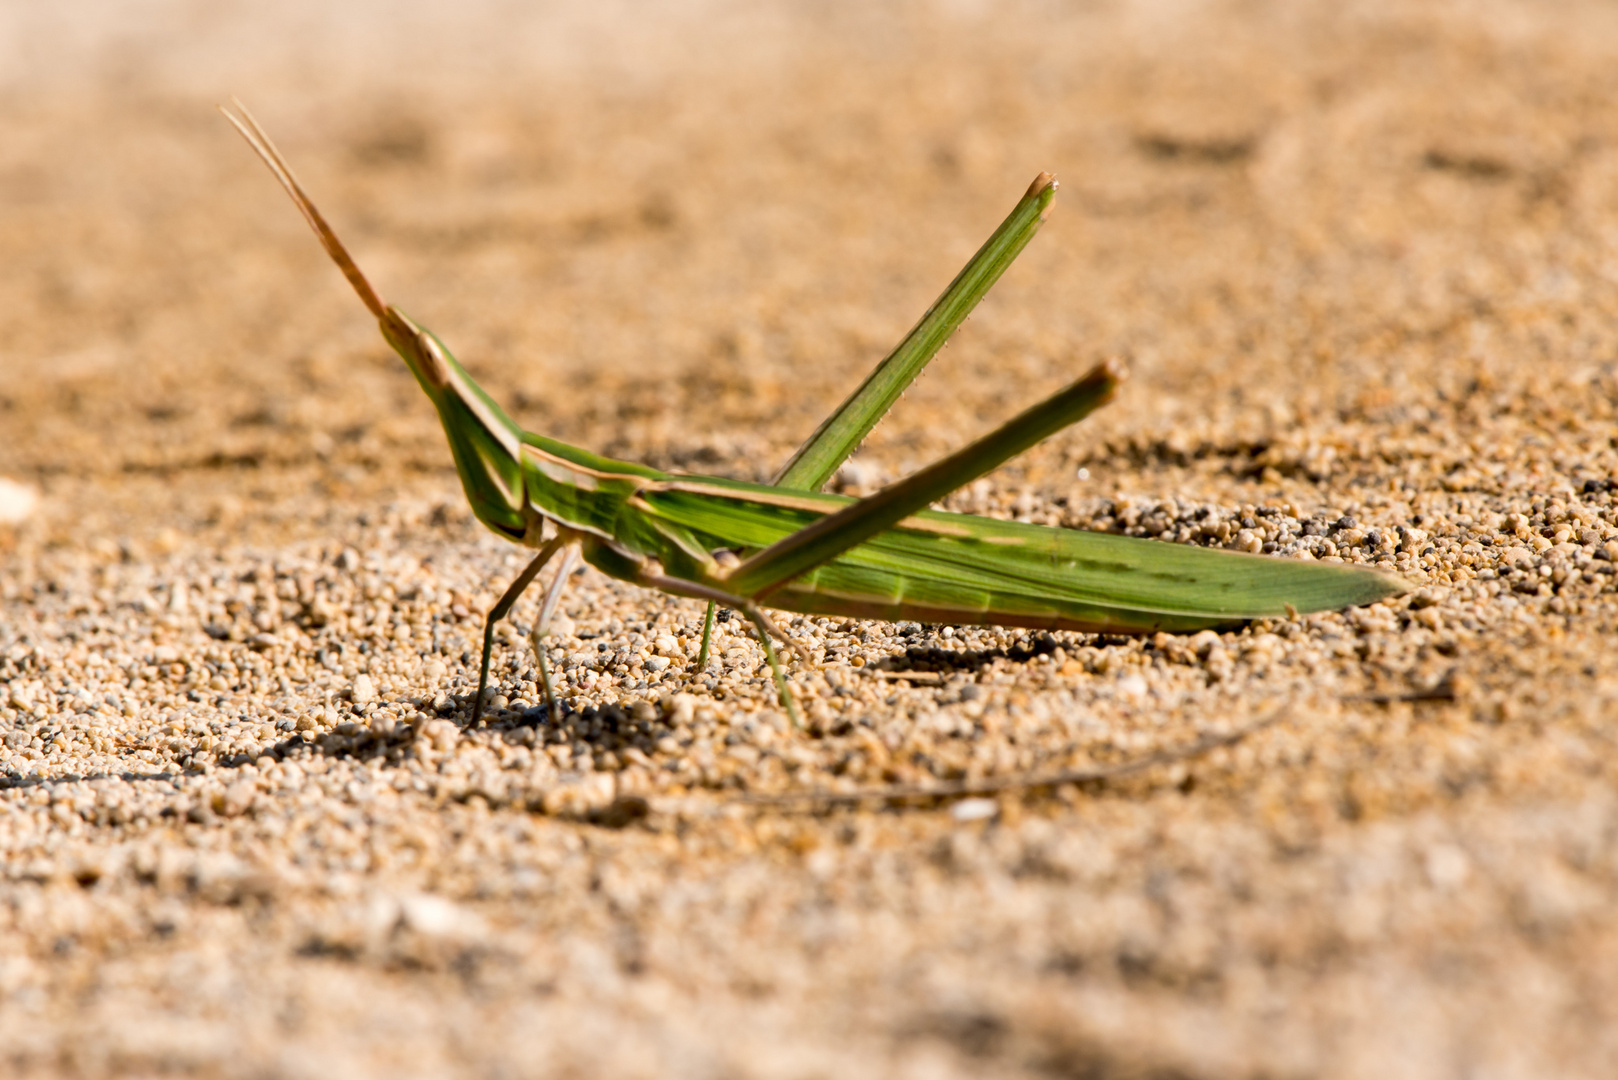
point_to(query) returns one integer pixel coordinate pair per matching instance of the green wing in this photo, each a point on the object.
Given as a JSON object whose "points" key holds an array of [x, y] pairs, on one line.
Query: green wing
{"points": [[941, 567]]}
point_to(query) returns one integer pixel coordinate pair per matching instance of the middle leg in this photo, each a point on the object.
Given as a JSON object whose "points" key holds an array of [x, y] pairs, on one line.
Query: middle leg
{"points": [[761, 622], [553, 596]]}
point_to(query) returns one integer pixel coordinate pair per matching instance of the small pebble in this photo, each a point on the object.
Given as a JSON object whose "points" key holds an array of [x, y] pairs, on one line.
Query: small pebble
{"points": [[18, 501], [974, 810]]}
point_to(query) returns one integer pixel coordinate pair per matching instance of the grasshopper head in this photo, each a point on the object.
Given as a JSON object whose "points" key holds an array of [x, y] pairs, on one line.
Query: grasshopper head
{"points": [[421, 352], [486, 443]]}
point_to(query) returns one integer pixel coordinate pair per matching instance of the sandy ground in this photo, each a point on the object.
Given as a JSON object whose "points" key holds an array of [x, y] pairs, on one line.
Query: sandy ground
{"points": [[1360, 260]]}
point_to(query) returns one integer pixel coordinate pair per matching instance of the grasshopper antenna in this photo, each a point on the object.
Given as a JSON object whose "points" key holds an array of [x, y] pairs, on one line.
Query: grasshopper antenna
{"points": [[265, 148]]}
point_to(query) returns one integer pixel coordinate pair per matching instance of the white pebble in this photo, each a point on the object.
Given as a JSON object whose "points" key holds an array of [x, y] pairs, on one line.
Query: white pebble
{"points": [[237, 798], [17, 501], [974, 810], [580, 794], [854, 474], [1132, 686], [433, 916], [363, 692], [1447, 866], [680, 707]]}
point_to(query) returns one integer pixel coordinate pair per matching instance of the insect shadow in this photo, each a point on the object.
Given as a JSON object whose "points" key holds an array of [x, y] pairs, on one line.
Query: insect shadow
{"points": [[922, 659]]}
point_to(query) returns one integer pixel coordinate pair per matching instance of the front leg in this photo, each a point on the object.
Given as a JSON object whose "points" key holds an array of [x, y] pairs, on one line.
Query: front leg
{"points": [[498, 612]]}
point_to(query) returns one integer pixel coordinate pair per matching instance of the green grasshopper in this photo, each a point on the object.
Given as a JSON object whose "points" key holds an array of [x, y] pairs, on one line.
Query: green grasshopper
{"points": [[790, 547]]}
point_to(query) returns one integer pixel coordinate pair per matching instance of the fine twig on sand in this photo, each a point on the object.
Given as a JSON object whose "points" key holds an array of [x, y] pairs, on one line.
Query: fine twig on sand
{"points": [[996, 785]]}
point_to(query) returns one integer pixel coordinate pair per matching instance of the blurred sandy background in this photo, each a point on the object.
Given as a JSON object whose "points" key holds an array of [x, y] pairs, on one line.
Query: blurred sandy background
{"points": [[1360, 259]]}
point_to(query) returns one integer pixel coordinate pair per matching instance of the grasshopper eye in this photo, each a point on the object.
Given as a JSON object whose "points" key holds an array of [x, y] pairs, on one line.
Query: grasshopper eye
{"points": [[433, 365], [424, 355]]}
